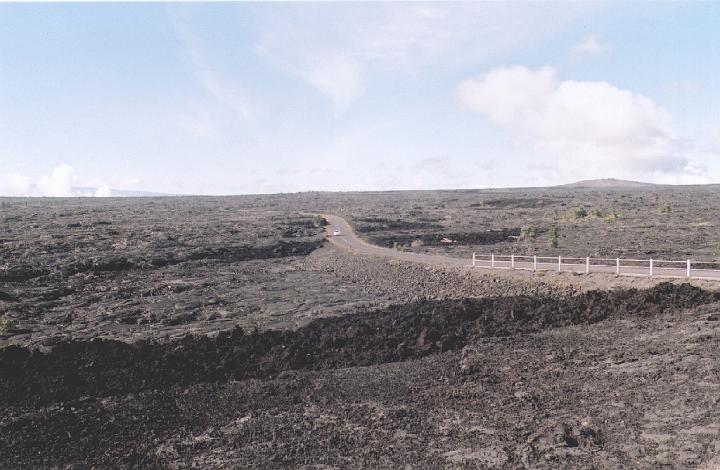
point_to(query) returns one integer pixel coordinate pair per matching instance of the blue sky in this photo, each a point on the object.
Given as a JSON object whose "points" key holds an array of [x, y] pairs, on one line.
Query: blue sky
{"points": [[233, 98]]}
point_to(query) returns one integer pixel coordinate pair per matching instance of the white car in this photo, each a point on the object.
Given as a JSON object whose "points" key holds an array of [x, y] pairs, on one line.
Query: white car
{"points": [[336, 232]]}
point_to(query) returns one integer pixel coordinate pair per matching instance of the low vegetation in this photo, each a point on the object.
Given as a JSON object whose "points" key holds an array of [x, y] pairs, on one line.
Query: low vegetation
{"points": [[578, 212], [553, 237], [582, 213], [319, 221], [7, 323], [401, 246], [528, 233]]}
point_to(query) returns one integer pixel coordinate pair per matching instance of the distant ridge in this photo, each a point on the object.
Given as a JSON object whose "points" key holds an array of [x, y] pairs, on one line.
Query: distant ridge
{"points": [[608, 183]]}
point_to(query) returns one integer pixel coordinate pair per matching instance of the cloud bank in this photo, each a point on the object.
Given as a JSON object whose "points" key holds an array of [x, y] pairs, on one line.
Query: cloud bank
{"points": [[590, 128], [59, 183]]}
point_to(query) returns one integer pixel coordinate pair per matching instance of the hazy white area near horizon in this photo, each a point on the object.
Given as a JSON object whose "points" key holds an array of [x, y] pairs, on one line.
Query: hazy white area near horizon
{"points": [[246, 98]]}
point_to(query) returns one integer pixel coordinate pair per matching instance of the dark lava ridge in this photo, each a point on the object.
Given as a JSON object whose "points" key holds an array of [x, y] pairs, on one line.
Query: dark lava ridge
{"points": [[74, 369]]}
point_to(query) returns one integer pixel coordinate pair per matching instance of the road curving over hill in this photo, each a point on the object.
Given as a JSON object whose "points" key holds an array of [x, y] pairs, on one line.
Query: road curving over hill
{"points": [[348, 240]]}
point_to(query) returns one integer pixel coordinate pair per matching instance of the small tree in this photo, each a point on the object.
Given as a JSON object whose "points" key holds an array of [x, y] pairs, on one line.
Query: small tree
{"points": [[553, 237], [319, 221], [578, 212], [528, 232], [666, 208]]}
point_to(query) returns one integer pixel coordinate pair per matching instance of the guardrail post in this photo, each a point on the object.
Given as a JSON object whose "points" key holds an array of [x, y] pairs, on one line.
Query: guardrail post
{"points": [[688, 269], [473, 260], [651, 267], [559, 263], [617, 266], [512, 261], [492, 261], [534, 262], [587, 265]]}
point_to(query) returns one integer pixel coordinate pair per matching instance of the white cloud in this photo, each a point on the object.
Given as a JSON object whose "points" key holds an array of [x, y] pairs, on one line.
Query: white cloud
{"points": [[225, 93], [103, 191], [59, 183], [590, 46], [338, 77], [14, 184], [230, 102], [589, 128], [336, 49]]}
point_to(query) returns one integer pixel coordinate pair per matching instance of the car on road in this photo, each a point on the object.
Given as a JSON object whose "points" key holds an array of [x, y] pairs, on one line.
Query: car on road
{"points": [[336, 232]]}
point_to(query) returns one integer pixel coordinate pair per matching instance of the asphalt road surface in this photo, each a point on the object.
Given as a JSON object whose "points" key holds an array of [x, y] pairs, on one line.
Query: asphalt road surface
{"points": [[348, 240]]}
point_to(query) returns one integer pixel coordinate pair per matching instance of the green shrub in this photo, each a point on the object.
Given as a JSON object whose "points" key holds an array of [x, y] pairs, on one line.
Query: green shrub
{"points": [[553, 237], [666, 208], [528, 232], [7, 323], [610, 217], [319, 221], [578, 213]]}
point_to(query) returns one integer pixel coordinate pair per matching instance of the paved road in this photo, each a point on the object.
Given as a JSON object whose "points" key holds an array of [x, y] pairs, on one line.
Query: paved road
{"points": [[348, 240]]}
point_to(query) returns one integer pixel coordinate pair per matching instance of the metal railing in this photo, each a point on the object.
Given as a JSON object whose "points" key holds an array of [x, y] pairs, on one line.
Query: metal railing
{"points": [[619, 266]]}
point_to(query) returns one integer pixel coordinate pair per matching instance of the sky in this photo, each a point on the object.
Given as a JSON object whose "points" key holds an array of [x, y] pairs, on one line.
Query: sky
{"points": [[243, 98]]}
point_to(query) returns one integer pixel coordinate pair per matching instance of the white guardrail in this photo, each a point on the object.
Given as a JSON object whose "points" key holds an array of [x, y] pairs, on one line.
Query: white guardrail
{"points": [[618, 266]]}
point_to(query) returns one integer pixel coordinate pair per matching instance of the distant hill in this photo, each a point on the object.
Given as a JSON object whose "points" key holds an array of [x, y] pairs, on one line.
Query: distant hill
{"points": [[610, 183]]}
